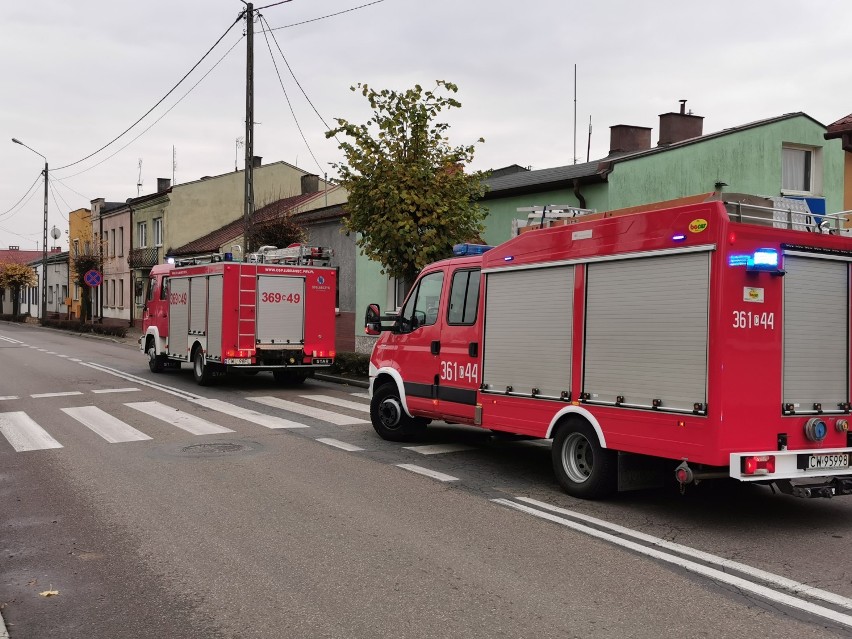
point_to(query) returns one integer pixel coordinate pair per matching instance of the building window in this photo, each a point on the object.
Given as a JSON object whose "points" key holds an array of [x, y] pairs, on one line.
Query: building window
{"points": [[121, 292], [64, 292], [158, 231], [800, 170], [120, 240], [76, 292], [142, 235], [50, 295], [112, 243], [76, 248]]}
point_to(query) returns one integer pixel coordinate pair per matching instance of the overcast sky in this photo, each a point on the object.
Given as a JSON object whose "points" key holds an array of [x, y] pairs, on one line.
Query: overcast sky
{"points": [[77, 74]]}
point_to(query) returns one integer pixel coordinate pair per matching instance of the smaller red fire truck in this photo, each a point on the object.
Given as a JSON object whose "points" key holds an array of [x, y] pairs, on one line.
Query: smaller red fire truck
{"points": [[706, 340], [275, 313]]}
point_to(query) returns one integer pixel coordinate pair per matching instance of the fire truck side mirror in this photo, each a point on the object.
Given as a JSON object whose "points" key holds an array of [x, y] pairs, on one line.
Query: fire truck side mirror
{"points": [[372, 320]]}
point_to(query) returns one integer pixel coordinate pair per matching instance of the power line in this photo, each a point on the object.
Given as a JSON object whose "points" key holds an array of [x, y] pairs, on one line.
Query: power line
{"points": [[23, 196], [167, 111], [58, 208], [287, 97], [160, 101], [330, 15]]}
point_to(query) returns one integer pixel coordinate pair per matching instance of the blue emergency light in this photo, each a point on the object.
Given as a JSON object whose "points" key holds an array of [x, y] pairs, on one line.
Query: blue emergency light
{"points": [[460, 250], [763, 259]]}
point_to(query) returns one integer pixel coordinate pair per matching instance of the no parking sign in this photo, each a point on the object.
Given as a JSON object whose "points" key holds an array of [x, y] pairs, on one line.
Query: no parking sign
{"points": [[92, 278]]}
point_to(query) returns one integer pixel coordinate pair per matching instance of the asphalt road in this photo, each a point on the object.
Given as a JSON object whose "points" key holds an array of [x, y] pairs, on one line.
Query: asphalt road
{"points": [[324, 530]]}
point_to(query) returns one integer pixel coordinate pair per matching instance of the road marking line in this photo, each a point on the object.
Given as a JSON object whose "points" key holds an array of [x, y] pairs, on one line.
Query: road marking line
{"points": [[776, 580], [24, 434], [339, 444], [362, 395], [336, 401], [439, 449], [9, 397], [102, 423], [115, 390], [711, 573], [64, 394], [308, 411], [267, 421], [434, 474], [142, 381], [49, 353], [10, 340], [61, 355], [74, 359], [189, 423]]}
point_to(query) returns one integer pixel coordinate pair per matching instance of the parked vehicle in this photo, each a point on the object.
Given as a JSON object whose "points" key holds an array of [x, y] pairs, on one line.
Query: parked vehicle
{"points": [[248, 317], [711, 340]]}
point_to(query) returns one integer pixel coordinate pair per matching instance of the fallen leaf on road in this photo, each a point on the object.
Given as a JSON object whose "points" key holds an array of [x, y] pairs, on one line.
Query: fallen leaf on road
{"points": [[48, 593]]}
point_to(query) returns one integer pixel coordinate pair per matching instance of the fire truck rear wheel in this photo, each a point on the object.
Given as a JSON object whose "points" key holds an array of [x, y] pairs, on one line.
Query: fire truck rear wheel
{"points": [[389, 418], [155, 362], [583, 468], [201, 370]]}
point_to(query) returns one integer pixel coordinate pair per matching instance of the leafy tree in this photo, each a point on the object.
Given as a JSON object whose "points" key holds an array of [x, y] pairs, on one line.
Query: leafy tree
{"points": [[410, 199], [16, 276], [280, 232], [84, 263]]}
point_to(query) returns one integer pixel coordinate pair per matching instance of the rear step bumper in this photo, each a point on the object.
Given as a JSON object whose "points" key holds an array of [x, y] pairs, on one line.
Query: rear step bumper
{"points": [[827, 489]]}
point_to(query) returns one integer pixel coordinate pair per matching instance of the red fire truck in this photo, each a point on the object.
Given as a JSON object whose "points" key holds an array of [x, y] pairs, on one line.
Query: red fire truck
{"points": [[232, 316], [711, 340]]}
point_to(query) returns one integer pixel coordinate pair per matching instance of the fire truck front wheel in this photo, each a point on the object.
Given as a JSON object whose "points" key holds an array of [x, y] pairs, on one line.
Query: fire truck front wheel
{"points": [[389, 417], [583, 468], [155, 362]]}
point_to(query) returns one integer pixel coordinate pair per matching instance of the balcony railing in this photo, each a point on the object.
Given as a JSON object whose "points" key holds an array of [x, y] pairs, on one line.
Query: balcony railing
{"points": [[142, 257]]}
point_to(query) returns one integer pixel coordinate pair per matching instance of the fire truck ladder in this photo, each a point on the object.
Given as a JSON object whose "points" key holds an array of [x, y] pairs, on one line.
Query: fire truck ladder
{"points": [[246, 307]]}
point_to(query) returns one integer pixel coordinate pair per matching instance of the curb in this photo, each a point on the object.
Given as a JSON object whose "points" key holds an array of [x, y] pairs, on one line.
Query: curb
{"points": [[360, 383]]}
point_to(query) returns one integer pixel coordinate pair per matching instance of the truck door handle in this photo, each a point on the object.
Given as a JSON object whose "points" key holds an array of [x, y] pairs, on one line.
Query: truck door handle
{"points": [[436, 347], [473, 349]]}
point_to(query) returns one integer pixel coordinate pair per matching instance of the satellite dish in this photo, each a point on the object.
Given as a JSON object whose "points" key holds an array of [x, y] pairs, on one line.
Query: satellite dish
{"points": [[55, 233]]}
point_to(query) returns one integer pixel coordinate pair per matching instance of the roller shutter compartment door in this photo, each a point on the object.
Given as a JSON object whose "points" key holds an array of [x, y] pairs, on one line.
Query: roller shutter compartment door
{"points": [[646, 331], [197, 305], [178, 317], [816, 332], [528, 328], [280, 310], [214, 316]]}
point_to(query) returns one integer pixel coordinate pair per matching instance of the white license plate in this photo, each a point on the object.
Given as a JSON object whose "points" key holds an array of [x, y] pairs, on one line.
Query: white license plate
{"points": [[238, 360], [322, 360], [829, 460]]}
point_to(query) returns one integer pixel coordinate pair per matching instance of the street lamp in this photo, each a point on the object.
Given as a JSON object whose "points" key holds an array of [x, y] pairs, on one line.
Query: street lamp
{"points": [[44, 237]]}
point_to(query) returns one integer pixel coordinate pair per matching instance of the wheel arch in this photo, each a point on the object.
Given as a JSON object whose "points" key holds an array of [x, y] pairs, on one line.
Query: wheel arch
{"points": [[575, 412], [153, 335], [387, 375]]}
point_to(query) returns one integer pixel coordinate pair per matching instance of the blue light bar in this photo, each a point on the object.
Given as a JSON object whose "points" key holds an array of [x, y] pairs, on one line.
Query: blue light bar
{"points": [[680, 237], [764, 259], [460, 250]]}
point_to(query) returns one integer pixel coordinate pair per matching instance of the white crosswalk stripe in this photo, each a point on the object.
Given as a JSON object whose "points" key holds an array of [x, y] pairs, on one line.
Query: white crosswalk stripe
{"points": [[361, 395], [110, 428], [267, 421], [308, 411], [352, 448], [185, 421], [336, 401], [24, 434]]}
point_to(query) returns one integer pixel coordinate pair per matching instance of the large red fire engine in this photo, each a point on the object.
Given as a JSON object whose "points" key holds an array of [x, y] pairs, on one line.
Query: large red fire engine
{"points": [[711, 339], [275, 313]]}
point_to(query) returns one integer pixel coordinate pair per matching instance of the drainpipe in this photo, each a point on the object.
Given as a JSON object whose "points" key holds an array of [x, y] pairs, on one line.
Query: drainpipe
{"points": [[580, 199], [131, 299]]}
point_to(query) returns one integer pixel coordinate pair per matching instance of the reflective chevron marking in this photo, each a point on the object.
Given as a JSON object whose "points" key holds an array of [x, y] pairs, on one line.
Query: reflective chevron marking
{"points": [[185, 421], [24, 434], [110, 428], [308, 411]]}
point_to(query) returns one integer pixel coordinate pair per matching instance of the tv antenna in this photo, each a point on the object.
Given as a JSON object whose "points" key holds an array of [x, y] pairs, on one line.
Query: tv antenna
{"points": [[139, 180], [240, 143]]}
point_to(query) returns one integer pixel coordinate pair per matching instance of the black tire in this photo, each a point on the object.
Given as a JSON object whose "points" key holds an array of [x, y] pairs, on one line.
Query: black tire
{"points": [[389, 418], [155, 362], [201, 370], [582, 467], [289, 378]]}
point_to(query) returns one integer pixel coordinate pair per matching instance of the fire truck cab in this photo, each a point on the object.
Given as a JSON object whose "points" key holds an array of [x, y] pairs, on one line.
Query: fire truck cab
{"points": [[710, 339]]}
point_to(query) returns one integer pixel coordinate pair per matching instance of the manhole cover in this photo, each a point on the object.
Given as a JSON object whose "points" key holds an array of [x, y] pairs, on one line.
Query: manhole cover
{"points": [[215, 448]]}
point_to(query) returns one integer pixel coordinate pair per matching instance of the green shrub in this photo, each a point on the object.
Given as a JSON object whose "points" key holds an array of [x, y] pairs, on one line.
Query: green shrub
{"points": [[10, 318], [351, 364]]}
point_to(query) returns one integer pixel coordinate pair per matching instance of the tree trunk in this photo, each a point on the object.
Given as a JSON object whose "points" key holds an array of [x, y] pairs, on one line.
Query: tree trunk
{"points": [[16, 302]]}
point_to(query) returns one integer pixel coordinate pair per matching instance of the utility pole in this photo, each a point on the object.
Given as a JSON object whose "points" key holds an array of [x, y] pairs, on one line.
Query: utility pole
{"points": [[44, 253], [248, 213]]}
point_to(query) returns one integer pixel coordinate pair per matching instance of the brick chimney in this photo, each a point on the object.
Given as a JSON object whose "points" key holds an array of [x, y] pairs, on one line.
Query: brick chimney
{"points": [[676, 127], [310, 184], [163, 184], [625, 138], [256, 161]]}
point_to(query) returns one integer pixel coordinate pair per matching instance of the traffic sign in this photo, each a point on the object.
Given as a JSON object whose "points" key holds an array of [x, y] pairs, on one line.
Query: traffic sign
{"points": [[92, 278]]}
